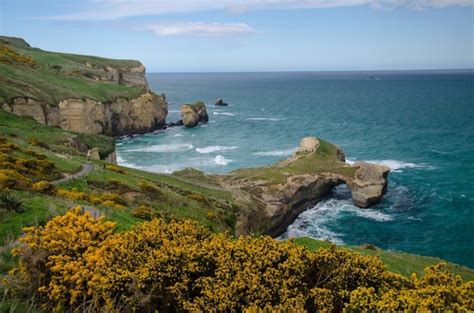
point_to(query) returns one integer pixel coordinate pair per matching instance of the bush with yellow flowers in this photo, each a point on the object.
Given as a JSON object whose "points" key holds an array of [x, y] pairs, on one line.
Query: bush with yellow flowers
{"points": [[178, 266], [114, 168], [143, 212], [44, 187], [20, 168], [107, 199]]}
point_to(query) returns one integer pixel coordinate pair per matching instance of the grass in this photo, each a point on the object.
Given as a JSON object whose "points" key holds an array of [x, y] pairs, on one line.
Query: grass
{"points": [[323, 161], [399, 262], [27, 129], [188, 194], [57, 76]]}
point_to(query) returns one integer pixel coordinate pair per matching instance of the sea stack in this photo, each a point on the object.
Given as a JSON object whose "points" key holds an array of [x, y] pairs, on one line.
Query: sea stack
{"points": [[193, 114]]}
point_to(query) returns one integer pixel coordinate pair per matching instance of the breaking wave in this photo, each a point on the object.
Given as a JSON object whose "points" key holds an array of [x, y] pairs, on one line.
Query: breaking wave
{"points": [[211, 149]]}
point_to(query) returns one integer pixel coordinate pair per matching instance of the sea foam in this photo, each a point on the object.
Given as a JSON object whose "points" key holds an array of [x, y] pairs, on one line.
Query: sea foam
{"points": [[221, 160], [273, 119], [316, 222], [395, 165], [285, 152], [165, 148], [223, 113], [211, 149]]}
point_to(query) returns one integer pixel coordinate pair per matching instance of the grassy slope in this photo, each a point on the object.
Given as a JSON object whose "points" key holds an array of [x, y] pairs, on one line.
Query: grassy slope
{"points": [[213, 208], [43, 82], [398, 262], [208, 204]]}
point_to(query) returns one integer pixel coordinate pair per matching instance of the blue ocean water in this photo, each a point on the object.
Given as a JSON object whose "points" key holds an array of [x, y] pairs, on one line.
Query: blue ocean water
{"points": [[421, 124]]}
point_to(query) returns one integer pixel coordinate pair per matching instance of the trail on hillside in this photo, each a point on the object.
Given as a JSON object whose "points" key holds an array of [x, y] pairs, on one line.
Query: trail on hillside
{"points": [[85, 169]]}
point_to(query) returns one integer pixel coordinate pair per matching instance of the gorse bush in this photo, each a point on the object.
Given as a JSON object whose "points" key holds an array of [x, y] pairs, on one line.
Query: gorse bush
{"points": [[178, 266], [20, 172]]}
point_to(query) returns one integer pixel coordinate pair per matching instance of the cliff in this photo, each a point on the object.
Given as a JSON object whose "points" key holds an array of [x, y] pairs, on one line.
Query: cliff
{"points": [[76, 92], [272, 197]]}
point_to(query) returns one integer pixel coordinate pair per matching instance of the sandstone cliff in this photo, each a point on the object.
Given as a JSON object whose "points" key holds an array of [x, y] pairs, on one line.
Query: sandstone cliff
{"points": [[80, 93], [272, 197]]}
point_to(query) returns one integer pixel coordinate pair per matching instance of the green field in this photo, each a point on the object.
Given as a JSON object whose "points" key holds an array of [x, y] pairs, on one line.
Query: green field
{"points": [[51, 77]]}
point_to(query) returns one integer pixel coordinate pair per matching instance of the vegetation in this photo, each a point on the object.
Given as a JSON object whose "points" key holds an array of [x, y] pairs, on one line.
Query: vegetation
{"points": [[51, 77], [143, 241], [323, 161], [78, 262]]}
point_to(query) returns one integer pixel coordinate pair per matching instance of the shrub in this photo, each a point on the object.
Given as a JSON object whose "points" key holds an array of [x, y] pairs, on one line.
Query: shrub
{"points": [[178, 266], [143, 212], [197, 197], [150, 190], [52, 260], [44, 187], [39, 143], [114, 168], [11, 203], [11, 179]]}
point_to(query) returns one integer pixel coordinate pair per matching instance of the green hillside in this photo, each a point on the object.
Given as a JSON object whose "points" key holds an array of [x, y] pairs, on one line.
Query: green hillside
{"points": [[51, 77]]}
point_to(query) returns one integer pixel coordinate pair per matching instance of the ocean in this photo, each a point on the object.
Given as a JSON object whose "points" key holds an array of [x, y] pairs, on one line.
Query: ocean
{"points": [[420, 124]]}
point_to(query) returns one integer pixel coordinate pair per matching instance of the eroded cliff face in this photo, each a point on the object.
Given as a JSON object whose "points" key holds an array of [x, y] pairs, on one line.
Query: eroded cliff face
{"points": [[80, 93], [272, 197], [114, 118]]}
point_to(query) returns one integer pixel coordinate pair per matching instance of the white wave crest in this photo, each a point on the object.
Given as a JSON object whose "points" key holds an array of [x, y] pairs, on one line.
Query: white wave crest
{"points": [[169, 148], [221, 160], [316, 222], [273, 119], [395, 165], [223, 113], [285, 152], [398, 166], [211, 149]]}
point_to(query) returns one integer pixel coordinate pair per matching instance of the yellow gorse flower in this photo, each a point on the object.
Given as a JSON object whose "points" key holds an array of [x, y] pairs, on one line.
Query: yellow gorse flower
{"points": [[178, 266]]}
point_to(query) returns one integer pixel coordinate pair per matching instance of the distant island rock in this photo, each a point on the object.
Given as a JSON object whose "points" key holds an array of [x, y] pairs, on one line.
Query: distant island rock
{"points": [[220, 102], [193, 114]]}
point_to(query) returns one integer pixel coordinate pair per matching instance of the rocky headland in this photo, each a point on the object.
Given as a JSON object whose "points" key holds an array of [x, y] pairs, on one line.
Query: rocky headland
{"points": [[272, 197], [79, 93]]}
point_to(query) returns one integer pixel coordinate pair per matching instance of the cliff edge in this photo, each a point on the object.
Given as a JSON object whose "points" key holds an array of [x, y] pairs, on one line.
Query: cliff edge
{"points": [[76, 92], [275, 195]]}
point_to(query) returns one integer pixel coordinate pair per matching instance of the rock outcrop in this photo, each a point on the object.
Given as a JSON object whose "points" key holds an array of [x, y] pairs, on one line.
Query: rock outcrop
{"points": [[114, 118], [369, 183], [85, 94], [274, 196], [193, 114], [220, 102]]}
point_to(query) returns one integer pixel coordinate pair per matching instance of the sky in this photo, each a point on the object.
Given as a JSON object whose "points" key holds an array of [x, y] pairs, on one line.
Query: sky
{"points": [[252, 35]]}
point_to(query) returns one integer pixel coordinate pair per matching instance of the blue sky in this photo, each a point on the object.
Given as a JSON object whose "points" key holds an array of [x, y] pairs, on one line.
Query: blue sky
{"points": [[252, 35]]}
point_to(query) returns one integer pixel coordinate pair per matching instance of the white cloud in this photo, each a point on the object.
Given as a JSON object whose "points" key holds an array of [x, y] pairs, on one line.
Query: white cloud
{"points": [[201, 29], [114, 9]]}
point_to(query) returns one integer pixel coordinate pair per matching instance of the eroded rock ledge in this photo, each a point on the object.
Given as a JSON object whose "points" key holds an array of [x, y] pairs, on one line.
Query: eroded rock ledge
{"points": [[274, 196], [116, 117]]}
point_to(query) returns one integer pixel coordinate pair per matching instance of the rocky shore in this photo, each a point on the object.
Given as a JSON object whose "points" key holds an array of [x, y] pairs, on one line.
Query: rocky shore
{"points": [[274, 196]]}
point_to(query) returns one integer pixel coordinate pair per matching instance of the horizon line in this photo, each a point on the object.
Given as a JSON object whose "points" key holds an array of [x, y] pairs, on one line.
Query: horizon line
{"points": [[445, 70]]}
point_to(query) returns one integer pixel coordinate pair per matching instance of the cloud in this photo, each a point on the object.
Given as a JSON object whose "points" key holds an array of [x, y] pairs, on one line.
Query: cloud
{"points": [[115, 9], [201, 29]]}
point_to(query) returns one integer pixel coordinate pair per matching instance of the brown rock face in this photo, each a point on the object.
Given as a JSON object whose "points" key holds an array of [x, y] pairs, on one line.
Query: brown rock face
{"points": [[190, 117], [369, 185], [115, 118], [193, 114], [272, 197]]}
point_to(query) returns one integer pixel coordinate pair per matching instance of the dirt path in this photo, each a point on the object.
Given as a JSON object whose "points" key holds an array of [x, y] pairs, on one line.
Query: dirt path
{"points": [[86, 169]]}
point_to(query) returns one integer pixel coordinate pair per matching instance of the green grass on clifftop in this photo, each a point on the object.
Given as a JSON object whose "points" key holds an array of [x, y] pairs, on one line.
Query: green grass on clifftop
{"points": [[323, 161], [51, 77], [398, 262]]}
